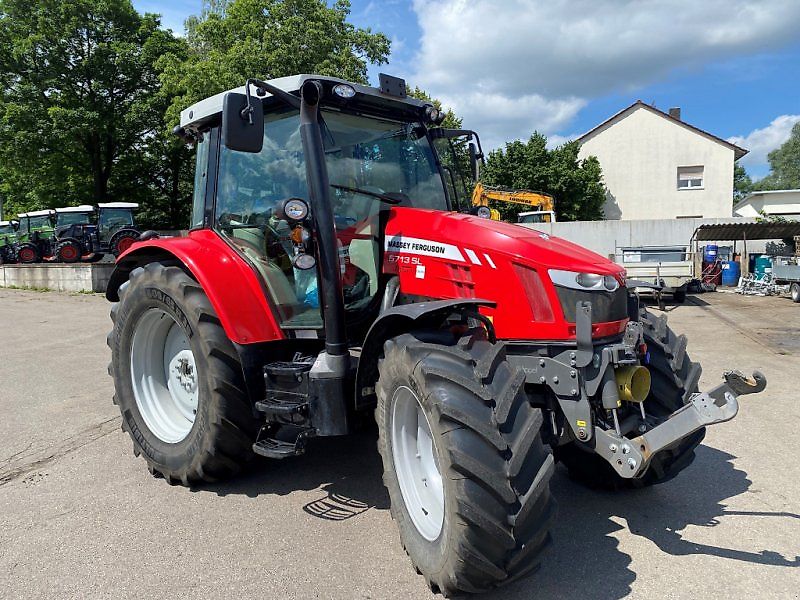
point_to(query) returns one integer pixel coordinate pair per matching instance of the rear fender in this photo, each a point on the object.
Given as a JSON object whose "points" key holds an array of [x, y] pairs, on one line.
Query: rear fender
{"points": [[398, 320], [231, 284]]}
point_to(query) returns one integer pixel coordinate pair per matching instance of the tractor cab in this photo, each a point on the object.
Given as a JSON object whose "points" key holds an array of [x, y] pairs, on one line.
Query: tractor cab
{"points": [[115, 216], [8, 231], [8, 235], [35, 235], [71, 220], [374, 152]]}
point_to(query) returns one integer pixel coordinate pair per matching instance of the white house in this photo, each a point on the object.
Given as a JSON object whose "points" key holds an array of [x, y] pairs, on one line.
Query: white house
{"points": [[656, 166], [779, 203]]}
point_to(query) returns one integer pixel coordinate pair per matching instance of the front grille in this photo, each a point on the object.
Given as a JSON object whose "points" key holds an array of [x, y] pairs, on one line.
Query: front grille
{"points": [[606, 306]]}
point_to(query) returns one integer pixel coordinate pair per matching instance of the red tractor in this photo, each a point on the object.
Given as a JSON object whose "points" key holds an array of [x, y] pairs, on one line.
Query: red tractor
{"points": [[327, 276]]}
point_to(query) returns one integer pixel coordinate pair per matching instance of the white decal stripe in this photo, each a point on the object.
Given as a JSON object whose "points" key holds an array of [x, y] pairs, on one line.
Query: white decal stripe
{"points": [[409, 245], [472, 256], [489, 260]]}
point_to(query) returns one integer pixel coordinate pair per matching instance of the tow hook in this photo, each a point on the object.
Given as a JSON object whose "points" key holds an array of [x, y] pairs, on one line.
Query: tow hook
{"points": [[631, 457]]}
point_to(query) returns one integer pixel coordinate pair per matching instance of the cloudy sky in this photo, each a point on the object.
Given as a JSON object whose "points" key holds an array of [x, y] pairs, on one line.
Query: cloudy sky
{"points": [[510, 67]]}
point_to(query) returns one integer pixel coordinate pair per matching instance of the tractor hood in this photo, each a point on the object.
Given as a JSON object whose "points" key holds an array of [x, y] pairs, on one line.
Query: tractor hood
{"points": [[442, 255], [471, 234]]}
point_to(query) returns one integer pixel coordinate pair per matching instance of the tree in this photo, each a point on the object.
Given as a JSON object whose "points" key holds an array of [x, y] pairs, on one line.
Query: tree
{"points": [[742, 184], [784, 164], [78, 85], [234, 40], [576, 185]]}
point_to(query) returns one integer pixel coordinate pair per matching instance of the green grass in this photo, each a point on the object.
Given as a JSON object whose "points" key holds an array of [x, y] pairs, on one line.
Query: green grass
{"points": [[27, 288]]}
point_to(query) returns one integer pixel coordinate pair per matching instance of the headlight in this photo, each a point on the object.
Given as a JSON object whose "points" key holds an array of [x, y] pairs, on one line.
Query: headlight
{"points": [[343, 90], [583, 281], [484, 212]]}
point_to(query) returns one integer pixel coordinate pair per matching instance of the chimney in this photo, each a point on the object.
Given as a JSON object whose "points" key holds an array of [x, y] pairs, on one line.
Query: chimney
{"points": [[675, 112]]}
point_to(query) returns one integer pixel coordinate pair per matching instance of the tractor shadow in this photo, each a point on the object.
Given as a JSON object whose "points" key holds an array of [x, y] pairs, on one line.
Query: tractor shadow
{"points": [[584, 560], [347, 470]]}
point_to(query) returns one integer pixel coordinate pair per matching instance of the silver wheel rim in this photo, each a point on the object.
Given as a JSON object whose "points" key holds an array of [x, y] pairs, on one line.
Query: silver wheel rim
{"points": [[795, 292], [416, 464], [164, 376]]}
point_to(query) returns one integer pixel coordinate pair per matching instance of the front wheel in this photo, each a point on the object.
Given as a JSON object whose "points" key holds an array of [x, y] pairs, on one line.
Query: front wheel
{"points": [[122, 240], [27, 254], [178, 381], [68, 251], [795, 292], [467, 472]]}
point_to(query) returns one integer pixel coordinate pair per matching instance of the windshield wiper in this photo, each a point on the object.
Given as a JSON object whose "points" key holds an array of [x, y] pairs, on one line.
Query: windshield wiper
{"points": [[389, 198]]}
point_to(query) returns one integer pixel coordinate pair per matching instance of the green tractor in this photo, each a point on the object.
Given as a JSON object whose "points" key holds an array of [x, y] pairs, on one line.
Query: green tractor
{"points": [[35, 236], [8, 235], [87, 233]]}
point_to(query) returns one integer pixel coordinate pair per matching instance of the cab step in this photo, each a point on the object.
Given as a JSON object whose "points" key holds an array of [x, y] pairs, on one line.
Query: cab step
{"points": [[282, 404], [287, 397], [272, 447]]}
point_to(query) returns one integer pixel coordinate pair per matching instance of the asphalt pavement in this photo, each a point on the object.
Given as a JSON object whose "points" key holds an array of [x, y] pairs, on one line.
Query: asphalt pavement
{"points": [[80, 516]]}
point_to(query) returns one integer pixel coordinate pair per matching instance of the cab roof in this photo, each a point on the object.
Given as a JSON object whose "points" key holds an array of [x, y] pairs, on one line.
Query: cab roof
{"points": [[118, 205], [83, 208], [38, 213], [208, 109], [6, 223]]}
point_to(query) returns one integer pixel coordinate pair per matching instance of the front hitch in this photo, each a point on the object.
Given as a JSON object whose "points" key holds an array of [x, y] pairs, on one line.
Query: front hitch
{"points": [[630, 458]]}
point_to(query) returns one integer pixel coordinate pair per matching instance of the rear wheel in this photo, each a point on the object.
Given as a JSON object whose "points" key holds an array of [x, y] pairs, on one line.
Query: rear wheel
{"points": [[467, 472], [795, 291], [674, 378], [68, 251], [679, 297], [27, 253], [178, 381]]}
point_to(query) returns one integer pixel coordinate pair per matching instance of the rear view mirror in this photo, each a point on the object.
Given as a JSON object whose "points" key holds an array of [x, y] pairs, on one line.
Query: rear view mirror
{"points": [[242, 123]]}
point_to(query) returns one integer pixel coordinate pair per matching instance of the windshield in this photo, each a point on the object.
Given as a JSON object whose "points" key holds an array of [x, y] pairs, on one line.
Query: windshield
{"points": [[72, 218], [6, 229], [382, 157], [113, 219], [32, 223]]}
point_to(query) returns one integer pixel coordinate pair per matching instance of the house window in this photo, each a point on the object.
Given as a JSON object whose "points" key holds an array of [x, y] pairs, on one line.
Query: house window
{"points": [[690, 178]]}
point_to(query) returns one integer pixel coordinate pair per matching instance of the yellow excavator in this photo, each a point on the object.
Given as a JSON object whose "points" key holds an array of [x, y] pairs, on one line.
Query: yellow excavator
{"points": [[544, 204]]}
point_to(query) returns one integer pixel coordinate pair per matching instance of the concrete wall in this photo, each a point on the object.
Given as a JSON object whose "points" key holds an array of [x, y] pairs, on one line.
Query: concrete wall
{"points": [[604, 237], [784, 203], [60, 277], [640, 155]]}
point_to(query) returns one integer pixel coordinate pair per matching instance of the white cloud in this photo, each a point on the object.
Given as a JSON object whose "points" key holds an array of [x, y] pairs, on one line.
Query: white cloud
{"points": [[502, 118], [555, 140], [494, 60], [762, 141]]}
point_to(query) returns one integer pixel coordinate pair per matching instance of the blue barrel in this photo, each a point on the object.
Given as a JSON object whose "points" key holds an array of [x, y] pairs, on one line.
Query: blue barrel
{"points": [[710, 253], [730, 273], [763, 265]]}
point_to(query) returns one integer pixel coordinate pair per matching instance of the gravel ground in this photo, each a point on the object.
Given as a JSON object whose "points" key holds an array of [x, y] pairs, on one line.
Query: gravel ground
{"points": [[81, 517]]}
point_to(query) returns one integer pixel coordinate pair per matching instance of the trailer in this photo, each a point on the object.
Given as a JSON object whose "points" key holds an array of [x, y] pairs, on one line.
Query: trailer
{"points": [[786, 271], [669, 269]]}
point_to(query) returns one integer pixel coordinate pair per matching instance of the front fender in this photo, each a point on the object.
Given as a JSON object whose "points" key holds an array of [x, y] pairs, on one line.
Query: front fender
{"points": [[395, 321], [234, 289]]}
